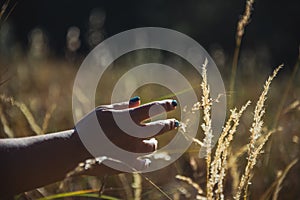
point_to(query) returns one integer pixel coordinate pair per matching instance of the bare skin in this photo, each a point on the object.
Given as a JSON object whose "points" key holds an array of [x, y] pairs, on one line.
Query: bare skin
{"points": [[32, 162]]}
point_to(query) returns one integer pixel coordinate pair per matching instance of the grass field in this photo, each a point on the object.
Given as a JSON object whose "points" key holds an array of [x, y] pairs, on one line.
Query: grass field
{"points": [[256, 156]]}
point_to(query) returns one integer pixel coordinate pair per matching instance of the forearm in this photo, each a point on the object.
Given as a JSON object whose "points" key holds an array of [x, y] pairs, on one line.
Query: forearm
{"points": [[28, 163]]}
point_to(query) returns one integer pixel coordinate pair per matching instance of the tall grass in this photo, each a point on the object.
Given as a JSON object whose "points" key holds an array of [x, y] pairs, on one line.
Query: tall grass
{"points": [[217, 169], [216, 166], [254, 147], [242, 23], [206, 126]]}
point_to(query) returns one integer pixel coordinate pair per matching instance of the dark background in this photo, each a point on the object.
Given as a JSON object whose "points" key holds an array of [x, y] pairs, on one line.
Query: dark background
{"points": [[275, 25]]}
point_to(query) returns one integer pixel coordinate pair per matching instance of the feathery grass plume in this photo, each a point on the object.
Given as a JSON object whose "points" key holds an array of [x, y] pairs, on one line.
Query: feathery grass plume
{"points": [[259, 112], [254, 147], [183, 128], [219, 164], [242, 23], [233, 165], [250, 165], [188, 117], [206, 126], [206, 103], [26, 112], [226, 144]]}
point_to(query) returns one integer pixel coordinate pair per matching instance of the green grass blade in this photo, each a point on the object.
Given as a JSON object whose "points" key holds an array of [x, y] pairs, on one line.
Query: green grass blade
{"points": [[81, 193]]}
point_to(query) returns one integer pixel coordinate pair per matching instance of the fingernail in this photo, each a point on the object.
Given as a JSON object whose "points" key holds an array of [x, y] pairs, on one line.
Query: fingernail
{"points": [[174, 103], [135, 99], [177, 123]]}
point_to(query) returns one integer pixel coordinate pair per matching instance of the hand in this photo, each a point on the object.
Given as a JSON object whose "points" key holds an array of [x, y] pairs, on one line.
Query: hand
{"points": [[139, 113]]}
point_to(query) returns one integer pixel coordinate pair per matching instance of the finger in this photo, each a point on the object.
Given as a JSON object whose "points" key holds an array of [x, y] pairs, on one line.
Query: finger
{"points": [[157, 107], [162, 126], [133, 102]]}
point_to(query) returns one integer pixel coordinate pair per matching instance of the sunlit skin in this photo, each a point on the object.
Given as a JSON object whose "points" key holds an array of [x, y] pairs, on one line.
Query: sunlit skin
{"points": [[31, 162]]}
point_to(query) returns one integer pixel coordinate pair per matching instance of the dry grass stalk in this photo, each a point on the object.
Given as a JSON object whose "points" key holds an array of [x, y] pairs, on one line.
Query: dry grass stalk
{"points": [[275, 188], [89, 164], [234, 172], [287, 91], [47, 118], [281, 178], [157, 187], [233, 166], [4, 9], [259, 111], [226, 144], [291, 107], [219, 164], [126, 185], [6, 128], [137, 186], [248, 174], [190, 182], [206, 103], [283, 100], [26, 112], [242, 23], [216, 170], [28, 115], [183, 129], [206, 126], [254, 148]]}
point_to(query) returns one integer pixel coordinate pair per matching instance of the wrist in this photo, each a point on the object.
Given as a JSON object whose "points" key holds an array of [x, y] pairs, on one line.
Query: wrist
{"points": [[83, 155], [81, 152]]}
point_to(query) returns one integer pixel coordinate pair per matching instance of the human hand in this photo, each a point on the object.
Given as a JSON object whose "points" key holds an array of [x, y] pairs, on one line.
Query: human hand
{"points": [[107, 114]]}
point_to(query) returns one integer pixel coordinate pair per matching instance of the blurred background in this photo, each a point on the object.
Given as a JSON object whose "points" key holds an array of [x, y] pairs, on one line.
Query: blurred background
{"points": [[42, 44], [274, 28]]}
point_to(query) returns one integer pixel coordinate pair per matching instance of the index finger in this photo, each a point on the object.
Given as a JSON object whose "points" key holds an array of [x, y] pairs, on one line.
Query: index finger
{"points": [[133, 102], [142, 112]]}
